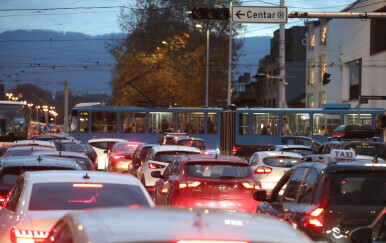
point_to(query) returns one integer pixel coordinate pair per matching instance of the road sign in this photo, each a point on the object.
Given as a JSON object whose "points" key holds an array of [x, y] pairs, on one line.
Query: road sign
{"points": [[47, 128], [365, 98], [259, 14]]}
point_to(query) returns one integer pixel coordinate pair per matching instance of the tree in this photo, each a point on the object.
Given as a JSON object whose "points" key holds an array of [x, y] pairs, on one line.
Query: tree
{"points": [[181, 82], [32, 94]]}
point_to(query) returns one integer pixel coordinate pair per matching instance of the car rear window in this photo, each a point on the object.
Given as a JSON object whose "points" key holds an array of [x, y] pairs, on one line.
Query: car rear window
{"points": [[218, 170], [76, 147], [281, 161], [378, 150], [301, 151], [358, 189], [126, 147], [72, 196], [13, 153], [168, 156], [192, 143]]}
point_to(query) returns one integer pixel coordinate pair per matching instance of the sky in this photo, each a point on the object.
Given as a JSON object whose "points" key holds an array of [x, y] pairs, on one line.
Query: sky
{"points": [[101, 16]]}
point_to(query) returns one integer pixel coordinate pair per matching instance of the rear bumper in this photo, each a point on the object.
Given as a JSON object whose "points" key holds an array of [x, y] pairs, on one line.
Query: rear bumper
{"points": [[121, 166], [246, 205]]}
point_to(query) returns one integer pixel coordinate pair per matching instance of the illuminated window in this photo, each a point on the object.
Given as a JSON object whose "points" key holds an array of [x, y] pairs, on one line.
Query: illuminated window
{"points": [[265, 124], [83, 121], [132, 122], [353, 118], [297, 122], [323, 34], [311, 68], [310, 100], [191, 122], [312, 36], [104, 122], [322, 66], [322, 98], [243, 123], [324, 124]]}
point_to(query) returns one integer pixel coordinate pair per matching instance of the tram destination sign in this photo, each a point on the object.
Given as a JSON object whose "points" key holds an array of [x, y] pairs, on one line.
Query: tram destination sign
{"points": [[259, 14], [366, 98]]}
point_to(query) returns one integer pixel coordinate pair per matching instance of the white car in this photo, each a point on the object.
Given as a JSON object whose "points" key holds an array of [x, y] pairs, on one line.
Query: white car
{"points": [[101, 147], [269, 166], [34, 143], [172, 225], [158, 159], [38, 199]]}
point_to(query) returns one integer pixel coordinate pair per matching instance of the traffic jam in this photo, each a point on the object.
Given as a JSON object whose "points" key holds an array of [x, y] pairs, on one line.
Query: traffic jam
{"points": [[54, 188]]}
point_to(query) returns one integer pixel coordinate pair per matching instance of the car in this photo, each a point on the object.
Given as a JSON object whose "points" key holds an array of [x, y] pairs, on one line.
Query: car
{"points": [[25, 150], [34, 143], [301, 140], [169, 137], [82, 159], [102, 146], [140, 155], [49, 137], [269, 166], [376, 232], [207, 181], [300, 149], [327, 199], [38, 199], [77, 146], [11, 168], [158, 159], [120, 158], [192, 142], [170, 225]]}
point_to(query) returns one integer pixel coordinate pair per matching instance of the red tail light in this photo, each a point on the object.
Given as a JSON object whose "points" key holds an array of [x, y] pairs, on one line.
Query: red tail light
{"points": [[88, 185], [132, 145], [250, 185], [155, 166], [206, 152], [189, 184], [2, 200], [338, 135], [316, 218], [263, 170], [19, 235], [234, 150]]}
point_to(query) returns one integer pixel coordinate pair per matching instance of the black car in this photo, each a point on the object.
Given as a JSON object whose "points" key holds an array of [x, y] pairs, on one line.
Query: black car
{"points": [[327, 199], [11, 168], [169, 137], [77, 146]]}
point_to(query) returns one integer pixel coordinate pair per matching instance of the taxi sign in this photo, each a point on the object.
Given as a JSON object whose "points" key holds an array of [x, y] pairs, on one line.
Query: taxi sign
{"points": [[343, 154]]}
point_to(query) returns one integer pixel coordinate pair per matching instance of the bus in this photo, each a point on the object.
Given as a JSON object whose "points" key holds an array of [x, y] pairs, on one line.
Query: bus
{"points": [[13, 122], [221, 129]]}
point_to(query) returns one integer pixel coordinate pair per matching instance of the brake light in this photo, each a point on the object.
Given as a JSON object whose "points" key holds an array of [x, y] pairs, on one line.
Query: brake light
{"points": [[118, 156], [234, 150], [317, 212], [132, 145], [88, 185], [251, 186], [155, 166], [189, 184], [210, 241], [263, 170], [338, 135], [206, 152], [2, 200], [19, 235], [316, 219]]}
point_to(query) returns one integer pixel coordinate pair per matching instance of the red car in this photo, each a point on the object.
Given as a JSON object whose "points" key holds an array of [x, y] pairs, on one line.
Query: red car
{"points": [[207, 181]]}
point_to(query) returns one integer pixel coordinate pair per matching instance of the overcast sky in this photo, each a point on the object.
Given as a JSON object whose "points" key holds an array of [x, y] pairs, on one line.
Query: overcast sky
{"points": [[96, 21]]}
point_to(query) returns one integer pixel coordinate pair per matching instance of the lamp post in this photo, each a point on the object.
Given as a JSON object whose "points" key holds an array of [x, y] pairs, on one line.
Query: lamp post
{"points": [[9, 95], [37, 112], [207, 65], [30, 111], [45, 109]]}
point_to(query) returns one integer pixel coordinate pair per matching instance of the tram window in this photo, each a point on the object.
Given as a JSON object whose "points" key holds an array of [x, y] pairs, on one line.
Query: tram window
{"points": [[297, 123], [353, 118], [212, 123], [74, 121], [132, 122], [104, 121], [244, 123], [83, 121], [191, 122], [265, 124], [380, 124], [324, 124], [161, 122]]}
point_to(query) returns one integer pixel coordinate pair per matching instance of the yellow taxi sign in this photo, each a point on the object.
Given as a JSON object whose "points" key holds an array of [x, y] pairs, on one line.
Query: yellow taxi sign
{"points": [[343, 154]]}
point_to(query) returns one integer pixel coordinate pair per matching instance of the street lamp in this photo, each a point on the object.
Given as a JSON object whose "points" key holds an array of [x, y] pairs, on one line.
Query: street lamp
{"points": [[207, 65], [37, 112], [30, 111], [9, 95], [45, 109]]}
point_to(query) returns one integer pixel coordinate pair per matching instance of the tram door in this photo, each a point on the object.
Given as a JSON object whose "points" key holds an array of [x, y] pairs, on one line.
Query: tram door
{"points": [[228, 124]]}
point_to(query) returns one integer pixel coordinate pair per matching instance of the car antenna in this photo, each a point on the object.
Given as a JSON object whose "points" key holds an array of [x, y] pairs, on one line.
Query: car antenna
{"points": [[86, 176]]}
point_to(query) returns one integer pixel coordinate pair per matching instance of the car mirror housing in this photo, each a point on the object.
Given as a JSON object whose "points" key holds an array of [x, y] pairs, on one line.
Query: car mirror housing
{"points": [[260, 196], [361, 235], [156, 174]]}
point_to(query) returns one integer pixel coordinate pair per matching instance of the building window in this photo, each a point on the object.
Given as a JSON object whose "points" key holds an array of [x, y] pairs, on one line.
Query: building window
{"points": [[355, 73], [322, 66], [377, 34], [310, 100], [273, 103], [312, 37], [322, 98], [311, 71], [323, 34]]}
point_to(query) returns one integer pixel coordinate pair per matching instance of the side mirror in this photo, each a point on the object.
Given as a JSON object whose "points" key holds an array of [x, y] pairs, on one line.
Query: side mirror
{"points": [[156, 174], [260, 196], [361, 235]]}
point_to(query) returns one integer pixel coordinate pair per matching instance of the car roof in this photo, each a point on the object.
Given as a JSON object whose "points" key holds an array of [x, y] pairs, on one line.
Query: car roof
{"points": [[190, 138], [34, 148], [78, 176], [293, 146], [191, 158], [165, 148], [38, 161], [277, 153], [33, 143], [123, 224], [106, 140], [61, 153], [59, 141]]}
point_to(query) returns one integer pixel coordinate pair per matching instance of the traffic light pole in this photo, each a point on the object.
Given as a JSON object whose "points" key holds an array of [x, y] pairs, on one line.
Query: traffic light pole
{"points": [[229, 101], [281, 99]]}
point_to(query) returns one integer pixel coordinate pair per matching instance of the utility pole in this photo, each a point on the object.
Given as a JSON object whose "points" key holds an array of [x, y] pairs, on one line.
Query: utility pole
{"points": [[207, 68], [229, 101], [66, 106], [281, 99]]}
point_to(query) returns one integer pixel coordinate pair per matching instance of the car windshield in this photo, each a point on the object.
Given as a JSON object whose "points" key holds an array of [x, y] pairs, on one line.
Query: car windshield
{"points": [[13, 153], [218, 170], [301, 151], [71, 196], [358, 189], [369, 149], [126, 147], [281, 161], [192, 143], [76, 147], [168, 156]]}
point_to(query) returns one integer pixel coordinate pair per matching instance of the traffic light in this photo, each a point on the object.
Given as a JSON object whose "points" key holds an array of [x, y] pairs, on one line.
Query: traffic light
{"points": [[326, 78], [259, 75], [210, 13]]}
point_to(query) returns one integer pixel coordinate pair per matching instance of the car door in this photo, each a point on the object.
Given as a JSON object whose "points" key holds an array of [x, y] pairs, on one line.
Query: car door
{"points": [[161, 186]]}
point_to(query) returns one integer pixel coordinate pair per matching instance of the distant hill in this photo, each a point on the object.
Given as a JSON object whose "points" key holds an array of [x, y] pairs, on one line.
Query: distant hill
{"points": [[46, 58]]}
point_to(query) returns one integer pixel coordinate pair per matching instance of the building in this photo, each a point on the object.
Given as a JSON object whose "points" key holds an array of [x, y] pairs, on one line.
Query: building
{"points": [[353, 51]]}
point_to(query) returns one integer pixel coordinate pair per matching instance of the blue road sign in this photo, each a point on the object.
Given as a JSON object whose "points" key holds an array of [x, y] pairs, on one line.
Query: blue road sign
{"points": [[47, 128]]}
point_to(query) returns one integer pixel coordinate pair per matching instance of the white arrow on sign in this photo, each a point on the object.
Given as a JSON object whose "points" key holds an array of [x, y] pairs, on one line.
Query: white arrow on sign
{"points": [[259, 14]]}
